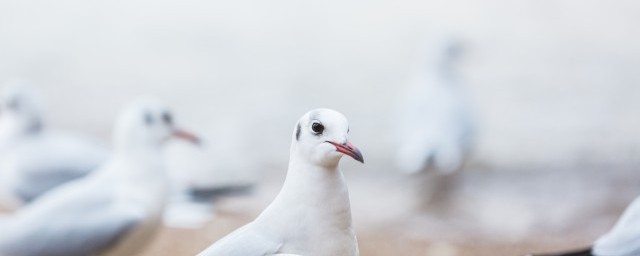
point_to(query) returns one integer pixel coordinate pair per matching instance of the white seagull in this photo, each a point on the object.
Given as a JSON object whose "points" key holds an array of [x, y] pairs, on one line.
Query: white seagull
{"points": [[622, 240], [114, 210], [197, 183], [311, 215], [34, 159], [433, 125]]}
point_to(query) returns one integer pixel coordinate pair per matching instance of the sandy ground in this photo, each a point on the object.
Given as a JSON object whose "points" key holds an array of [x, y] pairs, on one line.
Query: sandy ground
{"points": [[529, 211], [486, 212]]}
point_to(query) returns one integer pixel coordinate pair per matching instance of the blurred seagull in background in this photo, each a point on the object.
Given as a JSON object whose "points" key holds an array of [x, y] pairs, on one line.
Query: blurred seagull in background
{"points": [[311, 215], [434, 126], [622, 240], [34, 159], [113, 211], [197, 184]]}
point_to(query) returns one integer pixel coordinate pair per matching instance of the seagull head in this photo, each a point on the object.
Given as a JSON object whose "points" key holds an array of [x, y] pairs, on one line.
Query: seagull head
{"points": [[321, 136], [148, 123], [20, 108]]}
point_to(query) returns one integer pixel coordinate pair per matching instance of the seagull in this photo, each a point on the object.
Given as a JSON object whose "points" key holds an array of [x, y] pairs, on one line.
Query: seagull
{"points": [[112, 211], [433, 125], [34, 159], [198, 183], [311, 215], [622, 240]]}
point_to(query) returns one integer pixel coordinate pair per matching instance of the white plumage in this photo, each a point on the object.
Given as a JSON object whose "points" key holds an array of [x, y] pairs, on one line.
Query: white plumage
{"points": [[434, 125], [623, 239], [114, 210], [311, 215], [33, 158]]}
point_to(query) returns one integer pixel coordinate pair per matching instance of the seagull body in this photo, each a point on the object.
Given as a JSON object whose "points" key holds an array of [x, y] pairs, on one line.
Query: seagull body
{"points": [[434, 127], [311, 215], [114, 210], [44, 161], [622, 240], [197, 183], [79, 218], [34, 159]]}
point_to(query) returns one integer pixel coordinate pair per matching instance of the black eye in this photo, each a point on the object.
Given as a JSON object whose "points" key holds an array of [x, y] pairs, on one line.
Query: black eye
{"points": [[317, 128], [167, 118], [148, 118]]}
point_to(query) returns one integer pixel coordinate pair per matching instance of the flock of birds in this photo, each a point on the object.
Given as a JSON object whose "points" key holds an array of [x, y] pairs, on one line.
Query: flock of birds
{"points": [[79, 198], [112, 204]]}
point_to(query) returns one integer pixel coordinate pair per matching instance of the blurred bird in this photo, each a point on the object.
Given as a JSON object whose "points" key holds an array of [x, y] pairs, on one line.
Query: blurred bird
{"points": [[197, 184], [193, 207], [114, 210], [622, 240], [434, 125], [311, 215], [34, 159]]}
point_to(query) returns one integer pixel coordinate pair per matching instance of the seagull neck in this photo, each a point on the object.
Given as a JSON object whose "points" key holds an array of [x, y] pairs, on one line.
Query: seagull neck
{"points": [[300, 171], [141, 177], [140, 163], [316, 194], [138, 149]]}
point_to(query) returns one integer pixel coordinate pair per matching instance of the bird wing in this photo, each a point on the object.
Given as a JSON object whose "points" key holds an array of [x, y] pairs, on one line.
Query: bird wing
{"points": [[44, 163], [623, 238], [79, 218], [81, 233], [245, 241], [33, 184]]}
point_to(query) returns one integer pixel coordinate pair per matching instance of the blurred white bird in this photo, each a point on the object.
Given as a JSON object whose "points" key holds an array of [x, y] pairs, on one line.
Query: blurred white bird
{"points": [[197, 184], [114, 210], [433, 122], [311, 215], [34, 159], [622, 240]]}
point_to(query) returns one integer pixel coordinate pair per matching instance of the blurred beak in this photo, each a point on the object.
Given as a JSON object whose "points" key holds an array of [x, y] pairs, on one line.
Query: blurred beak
{"points": [[185, 135], [348, 149]]}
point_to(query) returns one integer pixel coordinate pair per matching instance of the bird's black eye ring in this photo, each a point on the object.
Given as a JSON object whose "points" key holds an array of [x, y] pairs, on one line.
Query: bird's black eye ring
{"points": [[317, 127]]}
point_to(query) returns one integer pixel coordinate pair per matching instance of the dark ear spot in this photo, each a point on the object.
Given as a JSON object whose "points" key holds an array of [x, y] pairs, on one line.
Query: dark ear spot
{"points": [[298, 132], [148, 118]]}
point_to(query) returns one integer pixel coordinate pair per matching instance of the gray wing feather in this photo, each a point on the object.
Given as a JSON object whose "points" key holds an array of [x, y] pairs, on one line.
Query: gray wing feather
{"points": [[78, 218], [76, 234], [35, 184], [45, 163]]}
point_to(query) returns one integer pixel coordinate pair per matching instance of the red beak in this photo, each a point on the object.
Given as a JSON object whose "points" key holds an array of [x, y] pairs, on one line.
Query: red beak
{"points": [[185, 135], [348, 149]]}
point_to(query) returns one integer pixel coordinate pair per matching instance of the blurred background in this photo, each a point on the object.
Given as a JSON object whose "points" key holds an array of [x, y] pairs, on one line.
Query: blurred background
{"points": [[552, 88]]}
